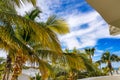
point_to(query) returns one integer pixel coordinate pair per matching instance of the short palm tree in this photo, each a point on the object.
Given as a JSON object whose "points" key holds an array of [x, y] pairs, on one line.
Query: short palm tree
{"points": [[109, 58]]}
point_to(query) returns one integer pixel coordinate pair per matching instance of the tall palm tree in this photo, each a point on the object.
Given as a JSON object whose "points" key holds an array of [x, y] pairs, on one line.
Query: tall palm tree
{"points": [[7, 19], [109, 58], [21, 50], [90, 52], [53, 26]]}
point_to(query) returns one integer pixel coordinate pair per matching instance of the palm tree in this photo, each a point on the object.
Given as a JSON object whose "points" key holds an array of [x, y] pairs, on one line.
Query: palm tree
{"points": [[109, 58], [53, 26], [90, 52], [12, 42]]}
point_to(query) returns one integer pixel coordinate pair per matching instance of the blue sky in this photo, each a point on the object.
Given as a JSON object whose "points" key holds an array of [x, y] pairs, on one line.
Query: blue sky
{"points": [[87, 28]]}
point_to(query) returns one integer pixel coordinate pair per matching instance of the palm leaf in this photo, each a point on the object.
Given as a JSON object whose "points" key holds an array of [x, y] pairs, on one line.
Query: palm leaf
{"points": [[47, 54], [33, 14], [114, 58], [74, 61], [89, 66], [57, 25], [6, 6]]}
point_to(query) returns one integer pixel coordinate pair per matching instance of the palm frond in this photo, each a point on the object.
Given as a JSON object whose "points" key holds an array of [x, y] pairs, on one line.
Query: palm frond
{"points": [[33, 14], [74, 61], [7, 6], [89, 66], [45, 68], [114, 58], [47, 54], [8, 48], [57, 25], [40, 34]]}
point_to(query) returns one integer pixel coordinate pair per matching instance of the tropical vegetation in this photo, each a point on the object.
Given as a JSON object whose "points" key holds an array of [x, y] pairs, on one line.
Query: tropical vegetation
{"points": [[24, 39], [108, 59], [27, 41]]}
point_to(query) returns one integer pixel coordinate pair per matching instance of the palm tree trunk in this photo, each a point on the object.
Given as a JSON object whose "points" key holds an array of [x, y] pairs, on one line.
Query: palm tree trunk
{"points": [[90, 58], [8, 68], [110, 67], [17, 69]]}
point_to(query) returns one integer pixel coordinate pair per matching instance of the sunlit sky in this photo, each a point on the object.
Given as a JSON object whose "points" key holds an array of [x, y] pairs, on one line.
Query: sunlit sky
{"points": [[87, 28]]}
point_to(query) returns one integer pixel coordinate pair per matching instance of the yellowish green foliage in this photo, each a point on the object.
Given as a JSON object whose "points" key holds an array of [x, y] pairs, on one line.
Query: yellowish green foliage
{"points": [[20, 49]]}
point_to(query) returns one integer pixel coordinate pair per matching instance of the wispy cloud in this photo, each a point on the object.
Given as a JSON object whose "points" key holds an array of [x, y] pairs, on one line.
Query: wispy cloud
{"points": [[88, 37], [97, 28]]}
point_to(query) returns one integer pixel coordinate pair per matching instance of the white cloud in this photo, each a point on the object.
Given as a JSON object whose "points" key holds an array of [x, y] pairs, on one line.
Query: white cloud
{"points": [[76, 19], [88, 37], [24, 8], [71, 42]]}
